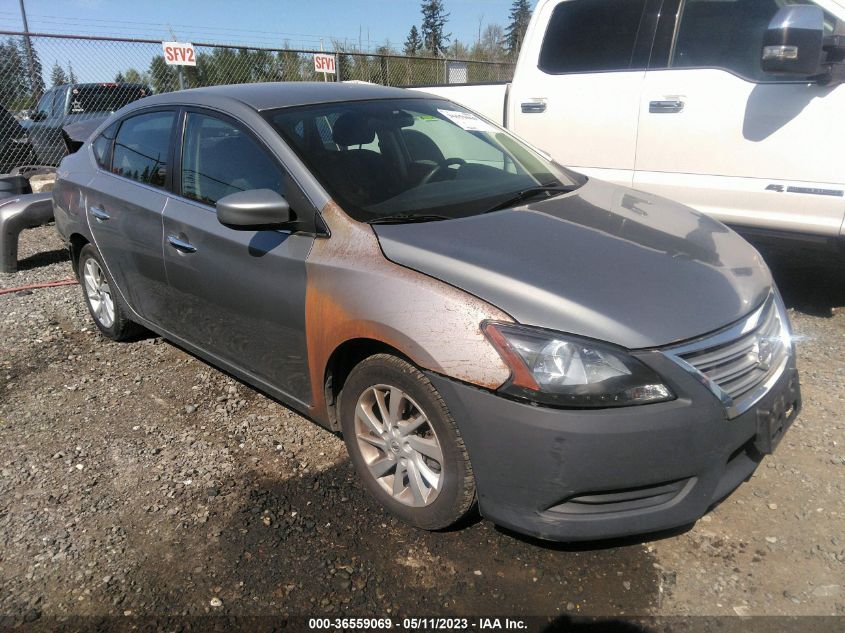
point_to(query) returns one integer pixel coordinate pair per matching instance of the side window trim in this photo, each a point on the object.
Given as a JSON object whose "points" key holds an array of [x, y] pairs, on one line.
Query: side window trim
{"points": [[150, 110]]}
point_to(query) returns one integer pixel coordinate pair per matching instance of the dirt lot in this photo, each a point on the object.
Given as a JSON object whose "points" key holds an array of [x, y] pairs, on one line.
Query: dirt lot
{"points": [[135, 479]]}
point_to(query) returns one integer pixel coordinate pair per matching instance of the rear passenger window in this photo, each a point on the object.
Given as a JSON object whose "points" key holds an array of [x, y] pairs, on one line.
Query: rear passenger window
{"points": [[591, 36], [102, 146], [218, 158], [142, 146]]}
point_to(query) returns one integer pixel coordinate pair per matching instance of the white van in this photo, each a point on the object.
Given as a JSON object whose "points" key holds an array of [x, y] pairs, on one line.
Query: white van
{"points": [[733, 107]]}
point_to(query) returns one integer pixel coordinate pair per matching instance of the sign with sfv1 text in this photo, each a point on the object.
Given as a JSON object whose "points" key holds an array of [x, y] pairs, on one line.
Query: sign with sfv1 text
{"points": [[324, 63], [179, 54]]}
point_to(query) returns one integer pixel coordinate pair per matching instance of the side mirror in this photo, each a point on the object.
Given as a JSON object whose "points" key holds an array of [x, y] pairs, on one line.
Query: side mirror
{"points": [[792, 43], [256, 209], [38, 115]]}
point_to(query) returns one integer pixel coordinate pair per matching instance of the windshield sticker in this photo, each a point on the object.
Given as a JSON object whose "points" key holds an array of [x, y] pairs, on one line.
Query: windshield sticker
{"points": [[467, 121]]}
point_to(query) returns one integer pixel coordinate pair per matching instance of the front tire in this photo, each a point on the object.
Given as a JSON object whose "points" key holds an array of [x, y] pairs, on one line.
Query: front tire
{"points": [[404, 443], [102, 298]]}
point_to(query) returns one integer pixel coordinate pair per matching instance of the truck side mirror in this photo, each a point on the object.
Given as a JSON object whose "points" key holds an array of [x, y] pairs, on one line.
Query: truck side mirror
{"points": [[792, 43], [38, 115]]}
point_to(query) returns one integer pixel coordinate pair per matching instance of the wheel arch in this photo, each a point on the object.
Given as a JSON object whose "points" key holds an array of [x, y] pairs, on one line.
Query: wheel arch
{"points": [[77, 242], [340, 364]]}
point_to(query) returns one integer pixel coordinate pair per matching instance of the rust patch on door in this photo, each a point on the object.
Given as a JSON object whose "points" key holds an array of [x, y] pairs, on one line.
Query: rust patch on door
{"points": [[354, 292]]}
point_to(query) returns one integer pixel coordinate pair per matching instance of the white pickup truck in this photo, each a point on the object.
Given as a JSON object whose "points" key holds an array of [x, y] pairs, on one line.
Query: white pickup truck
{"points": [[733, 107]]}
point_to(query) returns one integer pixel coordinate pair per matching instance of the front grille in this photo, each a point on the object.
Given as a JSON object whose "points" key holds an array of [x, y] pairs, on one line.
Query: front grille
{"points": [[739, 361]]}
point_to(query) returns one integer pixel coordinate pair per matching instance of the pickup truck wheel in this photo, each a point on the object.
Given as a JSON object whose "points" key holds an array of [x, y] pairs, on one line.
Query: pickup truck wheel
{"points": [[404, 443], [102, 298]]}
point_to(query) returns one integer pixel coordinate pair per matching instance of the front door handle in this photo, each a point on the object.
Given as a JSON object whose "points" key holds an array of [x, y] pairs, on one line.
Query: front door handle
{"points": [[533, 107], [99, 214], [665, 106], [181, 245]]}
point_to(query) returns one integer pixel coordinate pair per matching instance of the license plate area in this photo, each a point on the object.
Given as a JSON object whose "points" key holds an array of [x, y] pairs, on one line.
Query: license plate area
{"points": [[773, 420]]}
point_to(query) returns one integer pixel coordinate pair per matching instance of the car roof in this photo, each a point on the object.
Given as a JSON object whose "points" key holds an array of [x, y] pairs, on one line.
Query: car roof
{"points": [[268, 96]]}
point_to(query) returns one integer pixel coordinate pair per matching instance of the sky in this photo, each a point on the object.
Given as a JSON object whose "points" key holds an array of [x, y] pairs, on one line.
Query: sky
{"points": [[303, 24]]}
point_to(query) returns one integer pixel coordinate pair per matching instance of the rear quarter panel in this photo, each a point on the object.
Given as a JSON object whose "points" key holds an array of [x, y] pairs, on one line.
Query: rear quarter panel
{"points": [[70, 194]]}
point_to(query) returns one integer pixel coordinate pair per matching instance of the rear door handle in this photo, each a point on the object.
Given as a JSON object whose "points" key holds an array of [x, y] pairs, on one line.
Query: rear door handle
{"points": [[665, 106], [533, 107], [181, 245], [99, 214]]}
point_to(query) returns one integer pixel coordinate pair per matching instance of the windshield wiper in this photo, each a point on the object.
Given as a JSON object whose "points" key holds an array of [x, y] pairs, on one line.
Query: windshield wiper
{"points": [[528, 193], [406, 218]]}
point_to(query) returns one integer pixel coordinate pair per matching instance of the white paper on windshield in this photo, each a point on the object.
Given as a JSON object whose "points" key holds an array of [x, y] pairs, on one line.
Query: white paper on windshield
{"points": [[467, 120]]}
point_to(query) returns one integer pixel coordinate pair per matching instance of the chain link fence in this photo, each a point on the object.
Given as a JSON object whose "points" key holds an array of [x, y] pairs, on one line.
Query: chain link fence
{"points": [[48, 81]]}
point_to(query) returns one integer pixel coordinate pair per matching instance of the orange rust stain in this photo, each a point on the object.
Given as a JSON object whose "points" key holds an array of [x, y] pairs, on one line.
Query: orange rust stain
{"points": [[353, 291]]}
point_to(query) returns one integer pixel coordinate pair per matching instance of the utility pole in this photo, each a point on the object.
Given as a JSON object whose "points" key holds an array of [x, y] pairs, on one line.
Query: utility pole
{"points": [[30, 60], [179, 68]]}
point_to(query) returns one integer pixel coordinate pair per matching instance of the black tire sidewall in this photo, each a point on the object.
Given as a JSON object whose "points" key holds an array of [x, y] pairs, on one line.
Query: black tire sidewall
{"points": [[450, 504]]}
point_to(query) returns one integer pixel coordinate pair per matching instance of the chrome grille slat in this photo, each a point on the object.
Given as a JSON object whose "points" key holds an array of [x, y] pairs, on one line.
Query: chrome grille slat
{"points": [[738, 388], [705, 362], [733, 370], [738, 362]]}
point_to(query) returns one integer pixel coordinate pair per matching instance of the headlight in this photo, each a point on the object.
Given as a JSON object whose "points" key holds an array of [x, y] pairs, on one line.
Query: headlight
{"points": [[570, 372]]}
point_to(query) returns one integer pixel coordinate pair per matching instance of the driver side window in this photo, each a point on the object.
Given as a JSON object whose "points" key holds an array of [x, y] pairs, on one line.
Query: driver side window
{"points": [[219, 158], [45, 104]]}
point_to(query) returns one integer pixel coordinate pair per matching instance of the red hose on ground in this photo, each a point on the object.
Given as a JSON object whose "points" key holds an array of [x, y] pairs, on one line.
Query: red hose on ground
{"points": [[46, 284]]}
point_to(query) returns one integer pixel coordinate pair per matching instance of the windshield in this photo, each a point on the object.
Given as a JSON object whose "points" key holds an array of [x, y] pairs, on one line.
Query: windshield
{"points": [[104, 98], [414, 157]]}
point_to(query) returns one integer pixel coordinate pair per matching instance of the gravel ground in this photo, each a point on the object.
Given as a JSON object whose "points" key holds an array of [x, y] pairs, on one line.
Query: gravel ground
{"points": [[136, 479]]}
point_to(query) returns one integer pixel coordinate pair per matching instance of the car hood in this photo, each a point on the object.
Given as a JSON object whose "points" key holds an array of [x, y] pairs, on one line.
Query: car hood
{"points": [[604, 262]]}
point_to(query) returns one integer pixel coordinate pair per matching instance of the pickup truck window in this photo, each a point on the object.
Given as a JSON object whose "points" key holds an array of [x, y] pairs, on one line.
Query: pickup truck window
{"points": [[728, 34], [591, 36], [414, 157]]}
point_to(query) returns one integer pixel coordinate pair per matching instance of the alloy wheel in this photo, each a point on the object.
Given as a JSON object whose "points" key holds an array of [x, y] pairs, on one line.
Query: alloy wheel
{"points": [[399, 445], [98, 291]]}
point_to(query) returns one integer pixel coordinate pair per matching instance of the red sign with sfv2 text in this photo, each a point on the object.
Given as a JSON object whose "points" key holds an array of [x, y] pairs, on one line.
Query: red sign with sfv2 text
{"points": [[179, 54]]}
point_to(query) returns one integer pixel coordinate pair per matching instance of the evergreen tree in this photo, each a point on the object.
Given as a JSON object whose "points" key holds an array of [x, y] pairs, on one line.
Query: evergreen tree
{"points": [[14, 78], [119, 78], [71, 77], [515, 33], [413, 44], [57, 75], [435, 39]]}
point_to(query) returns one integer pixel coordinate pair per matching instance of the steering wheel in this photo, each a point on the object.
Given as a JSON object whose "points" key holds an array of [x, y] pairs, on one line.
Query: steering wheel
{"points": [[444, 165]]}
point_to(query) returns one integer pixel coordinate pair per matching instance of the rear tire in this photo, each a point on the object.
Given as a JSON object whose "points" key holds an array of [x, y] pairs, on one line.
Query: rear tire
{"points": [[404, 443], [102, 297]]}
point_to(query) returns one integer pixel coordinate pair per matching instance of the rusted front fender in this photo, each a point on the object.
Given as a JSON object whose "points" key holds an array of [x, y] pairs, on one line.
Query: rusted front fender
{"points": [[354, 292]]}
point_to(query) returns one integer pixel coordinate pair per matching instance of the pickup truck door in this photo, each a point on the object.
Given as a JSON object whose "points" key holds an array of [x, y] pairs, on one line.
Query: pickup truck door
{"points": [[577, 84], [718, 134]]}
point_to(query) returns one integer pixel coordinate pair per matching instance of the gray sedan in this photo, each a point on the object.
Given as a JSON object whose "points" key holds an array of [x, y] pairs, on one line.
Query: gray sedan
{"points": [[483, 326]]}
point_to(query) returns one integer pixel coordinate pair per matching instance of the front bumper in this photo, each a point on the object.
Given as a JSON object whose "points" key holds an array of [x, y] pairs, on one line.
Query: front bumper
{"points": [[588, 474]]}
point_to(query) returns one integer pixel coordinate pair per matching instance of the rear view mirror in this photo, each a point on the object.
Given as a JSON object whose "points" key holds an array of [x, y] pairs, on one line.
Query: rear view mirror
{"points": [[792, 44], [256, 209]]}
